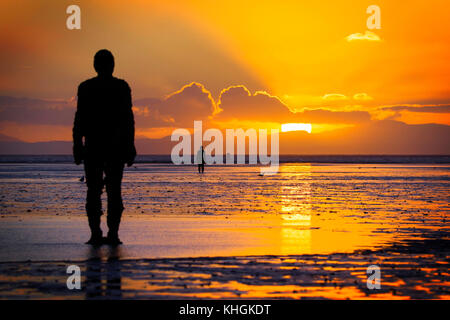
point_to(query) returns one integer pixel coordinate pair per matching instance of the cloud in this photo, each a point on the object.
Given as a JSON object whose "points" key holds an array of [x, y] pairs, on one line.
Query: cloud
{"points": [[334, 97], [178, 109], [37, 111], [238, 103], [36, 132], [146, 116], [414, 113], [367, 36], [328, 116], [443, 108], [362, 97]]}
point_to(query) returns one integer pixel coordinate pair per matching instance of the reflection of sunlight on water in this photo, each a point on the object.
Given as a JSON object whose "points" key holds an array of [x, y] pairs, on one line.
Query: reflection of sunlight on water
{"points": [[327, 209], [296, 212], [296, 219], [294, 239]]}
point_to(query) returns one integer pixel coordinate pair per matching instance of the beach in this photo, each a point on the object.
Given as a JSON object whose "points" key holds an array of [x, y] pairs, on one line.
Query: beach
{"points": [[309, 231]]}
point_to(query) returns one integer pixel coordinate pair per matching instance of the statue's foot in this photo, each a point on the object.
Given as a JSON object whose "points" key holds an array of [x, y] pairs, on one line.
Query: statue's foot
{"points": [[95, 240], [112, 240]]}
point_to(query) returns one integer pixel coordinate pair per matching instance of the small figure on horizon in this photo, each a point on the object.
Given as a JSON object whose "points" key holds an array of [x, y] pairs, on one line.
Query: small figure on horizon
{"points": [[105, 120], [201, 160]]}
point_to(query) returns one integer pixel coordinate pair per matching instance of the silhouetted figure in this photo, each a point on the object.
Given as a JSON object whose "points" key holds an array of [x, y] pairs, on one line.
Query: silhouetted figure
{"points": [[201, 160], [104, 119]]}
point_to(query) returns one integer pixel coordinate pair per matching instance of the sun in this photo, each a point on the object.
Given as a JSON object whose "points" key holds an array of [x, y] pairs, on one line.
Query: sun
{"points": [[285, 127]]}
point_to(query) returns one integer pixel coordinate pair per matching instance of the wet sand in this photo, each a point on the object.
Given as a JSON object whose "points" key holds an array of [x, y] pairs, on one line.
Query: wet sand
{"points": [[309, 232], [416, 269]]}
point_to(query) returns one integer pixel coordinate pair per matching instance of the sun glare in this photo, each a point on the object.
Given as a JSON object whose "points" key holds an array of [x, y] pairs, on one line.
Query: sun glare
{"points": [[296, 127]]}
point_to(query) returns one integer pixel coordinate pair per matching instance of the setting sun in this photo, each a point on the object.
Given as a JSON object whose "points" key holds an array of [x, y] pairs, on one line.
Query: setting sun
{"points": [[296, 127]]}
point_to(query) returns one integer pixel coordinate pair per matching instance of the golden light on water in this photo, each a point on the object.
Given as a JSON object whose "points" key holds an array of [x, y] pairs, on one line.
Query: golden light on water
{"points": [[285, 127]]}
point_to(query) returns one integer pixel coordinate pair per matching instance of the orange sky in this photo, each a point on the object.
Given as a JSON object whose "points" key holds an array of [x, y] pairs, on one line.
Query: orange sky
{"points": [[296, 52]]}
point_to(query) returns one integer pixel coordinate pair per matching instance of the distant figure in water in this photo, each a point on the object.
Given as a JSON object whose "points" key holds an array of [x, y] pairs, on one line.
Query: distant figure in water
{"points": [[201, 160], [105, 120]]}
